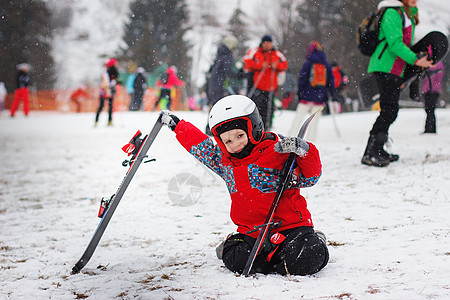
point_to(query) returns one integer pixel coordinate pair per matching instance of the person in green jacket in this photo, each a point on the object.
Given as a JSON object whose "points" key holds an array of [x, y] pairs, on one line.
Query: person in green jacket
{"points": [[388, 63]]}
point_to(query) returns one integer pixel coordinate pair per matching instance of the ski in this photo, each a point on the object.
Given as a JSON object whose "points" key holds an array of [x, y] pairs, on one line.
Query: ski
{"points": [[137, 148], [265, 228]]}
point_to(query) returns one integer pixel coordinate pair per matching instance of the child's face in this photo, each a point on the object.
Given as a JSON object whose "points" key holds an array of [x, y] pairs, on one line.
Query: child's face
{"points": [[234, 140]]}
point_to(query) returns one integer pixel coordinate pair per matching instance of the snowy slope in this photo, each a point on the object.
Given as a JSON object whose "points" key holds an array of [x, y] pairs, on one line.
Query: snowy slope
{"points": [[388, 228]]}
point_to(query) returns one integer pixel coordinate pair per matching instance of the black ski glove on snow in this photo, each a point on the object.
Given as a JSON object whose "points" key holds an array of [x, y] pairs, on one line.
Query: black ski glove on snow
{"points": [[292, 144], [168, 119]]}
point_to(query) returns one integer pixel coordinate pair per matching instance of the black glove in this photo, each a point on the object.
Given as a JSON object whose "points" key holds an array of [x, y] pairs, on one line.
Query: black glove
{"points": [[292, 144], [167, 118]]}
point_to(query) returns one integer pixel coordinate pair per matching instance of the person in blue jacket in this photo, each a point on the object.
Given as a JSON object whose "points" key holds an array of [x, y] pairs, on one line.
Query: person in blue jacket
{"points": [[315, 85]]}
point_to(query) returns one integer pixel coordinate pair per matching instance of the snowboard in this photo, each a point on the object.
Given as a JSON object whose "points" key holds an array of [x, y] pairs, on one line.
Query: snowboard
{"points": [[434, 45]]}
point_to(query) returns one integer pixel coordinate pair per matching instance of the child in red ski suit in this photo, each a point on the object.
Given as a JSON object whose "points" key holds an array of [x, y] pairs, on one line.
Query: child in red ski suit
{"points": [[250, 161]]}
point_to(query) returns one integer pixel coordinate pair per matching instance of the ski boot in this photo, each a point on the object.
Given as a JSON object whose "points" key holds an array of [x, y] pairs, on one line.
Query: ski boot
{"points": [[373, 155]]}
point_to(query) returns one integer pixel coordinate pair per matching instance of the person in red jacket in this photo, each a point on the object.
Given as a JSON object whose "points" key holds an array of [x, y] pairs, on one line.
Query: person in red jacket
{"points": [[167, 81], [22, 92], [250, 161], [265, 62], [77, 95]]}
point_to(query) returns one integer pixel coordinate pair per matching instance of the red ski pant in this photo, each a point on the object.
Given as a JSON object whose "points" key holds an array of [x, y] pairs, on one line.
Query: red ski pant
{"points": [[20, 94]]}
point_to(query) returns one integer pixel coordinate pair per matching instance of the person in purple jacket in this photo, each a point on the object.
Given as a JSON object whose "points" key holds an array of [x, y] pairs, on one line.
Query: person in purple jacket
{"points": [[431, 90], [315, 84]]}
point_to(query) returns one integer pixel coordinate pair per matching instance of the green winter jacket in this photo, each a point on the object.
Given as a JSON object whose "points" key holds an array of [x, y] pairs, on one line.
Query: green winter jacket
{"points": [[384, 58]]}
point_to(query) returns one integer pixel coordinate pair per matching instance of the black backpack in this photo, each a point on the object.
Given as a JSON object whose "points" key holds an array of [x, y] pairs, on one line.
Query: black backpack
{"points": [[367, 34], [164, 78]]}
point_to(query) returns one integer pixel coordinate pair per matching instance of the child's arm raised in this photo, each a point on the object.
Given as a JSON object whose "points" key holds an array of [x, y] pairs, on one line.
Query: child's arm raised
{"points": [[195, 142]]}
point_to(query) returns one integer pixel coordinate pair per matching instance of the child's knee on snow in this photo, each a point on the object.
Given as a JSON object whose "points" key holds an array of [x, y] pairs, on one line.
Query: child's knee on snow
{"points": [[303, 256]]}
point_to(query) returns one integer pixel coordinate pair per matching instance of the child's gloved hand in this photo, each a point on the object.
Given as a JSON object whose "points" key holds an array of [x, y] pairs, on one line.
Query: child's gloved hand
{"points": [[292, 144], [167, 118]]}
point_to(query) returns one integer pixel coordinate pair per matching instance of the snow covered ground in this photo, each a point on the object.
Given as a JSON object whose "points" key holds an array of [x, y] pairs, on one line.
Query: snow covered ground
{"points": [[388, 228]]}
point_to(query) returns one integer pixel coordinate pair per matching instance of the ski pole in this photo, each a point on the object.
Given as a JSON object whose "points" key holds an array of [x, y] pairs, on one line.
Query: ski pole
{"points": [[270, 100], [330, 106], [252, 91]]}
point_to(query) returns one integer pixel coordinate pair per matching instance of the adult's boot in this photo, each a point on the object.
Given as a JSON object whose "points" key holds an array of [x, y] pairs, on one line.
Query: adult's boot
{"points": [[373, 155]]}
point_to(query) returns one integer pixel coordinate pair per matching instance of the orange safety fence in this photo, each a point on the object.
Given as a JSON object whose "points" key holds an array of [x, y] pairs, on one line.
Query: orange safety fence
{"points": [[59, 100]]}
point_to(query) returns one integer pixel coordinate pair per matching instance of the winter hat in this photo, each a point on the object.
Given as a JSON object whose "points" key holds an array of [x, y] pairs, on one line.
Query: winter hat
{"points": [[233, 124], [172, 70], [111, 62], [237, 124], [230, 42], [266, 38], [314, 46]]}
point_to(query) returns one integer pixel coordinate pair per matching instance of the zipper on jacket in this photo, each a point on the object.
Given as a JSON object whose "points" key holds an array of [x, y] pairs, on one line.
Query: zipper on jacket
{"points": [[384, 48]]}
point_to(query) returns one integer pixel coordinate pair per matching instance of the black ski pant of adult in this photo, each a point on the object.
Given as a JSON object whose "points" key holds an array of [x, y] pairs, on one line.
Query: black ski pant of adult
{"points": [[264, 103], [431, 99], [389, 89], [136, 100], [301, 253], [100, 108]]}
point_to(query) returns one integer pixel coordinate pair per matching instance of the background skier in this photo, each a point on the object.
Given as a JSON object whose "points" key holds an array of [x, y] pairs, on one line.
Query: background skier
{"points": [[432, 89], [315, 83], [77, 95], [22, 92], [168, 81], [340, 82], [265, 62], [110, 80], [220, 72], [139, 88]]}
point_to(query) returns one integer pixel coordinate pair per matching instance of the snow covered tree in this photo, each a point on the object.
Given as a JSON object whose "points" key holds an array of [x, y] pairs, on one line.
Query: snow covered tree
{"points": [[155, 34], [238, 28], [26, 32]]}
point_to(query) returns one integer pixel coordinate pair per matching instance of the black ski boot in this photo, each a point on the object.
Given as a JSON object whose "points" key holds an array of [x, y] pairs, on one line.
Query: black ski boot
{"points": [[373, 156]]}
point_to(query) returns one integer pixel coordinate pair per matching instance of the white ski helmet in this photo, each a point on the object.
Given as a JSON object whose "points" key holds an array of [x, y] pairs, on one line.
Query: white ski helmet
{"points": [[236, 107]]}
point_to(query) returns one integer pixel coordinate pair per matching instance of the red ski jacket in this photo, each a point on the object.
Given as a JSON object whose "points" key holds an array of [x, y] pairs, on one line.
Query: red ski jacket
{"points": [[252, 181], [265, 78], [172, 81]]}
